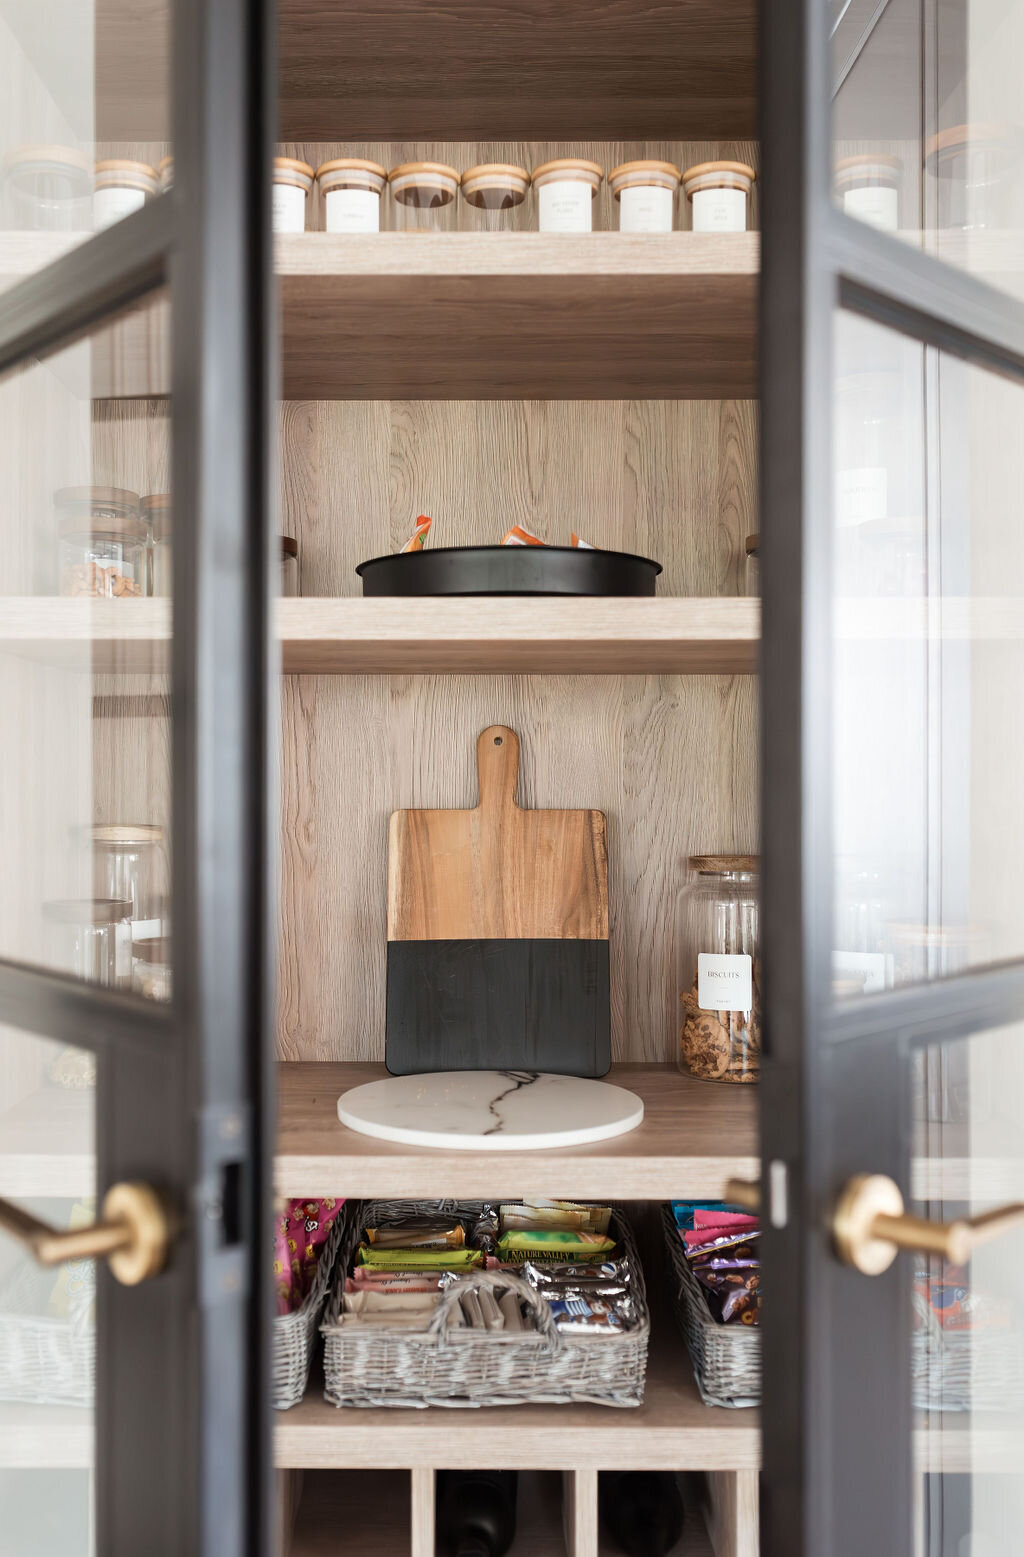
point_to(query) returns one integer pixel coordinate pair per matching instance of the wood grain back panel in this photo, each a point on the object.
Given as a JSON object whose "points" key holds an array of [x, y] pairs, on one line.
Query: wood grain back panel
{"points": [[497, 872]]}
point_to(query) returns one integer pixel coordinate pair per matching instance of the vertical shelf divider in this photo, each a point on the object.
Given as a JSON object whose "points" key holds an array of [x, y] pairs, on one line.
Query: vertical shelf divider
{"points": [[579, 1505], [732, 1513], [424, 1480]]}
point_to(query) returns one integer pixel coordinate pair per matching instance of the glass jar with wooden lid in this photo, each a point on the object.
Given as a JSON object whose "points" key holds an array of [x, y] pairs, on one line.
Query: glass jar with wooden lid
{"points": [[350, 194], [121, 187], [130, 864], [165, 174], [645, 193], [494, 197], [718, 960], [91, 938], [293, 180], [151, 967], [868, 186], [423, 197], [101, 543], [978, 171], [719, 193], [566, 191], [157, 512], [48, 189]]}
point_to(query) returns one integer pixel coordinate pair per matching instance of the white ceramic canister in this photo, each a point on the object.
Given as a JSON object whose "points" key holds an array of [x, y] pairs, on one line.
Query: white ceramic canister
{"points": [[350, 191], [645, 193], [719, 192], [292, 182], [566, 191], [868, 187], [120, 188]]}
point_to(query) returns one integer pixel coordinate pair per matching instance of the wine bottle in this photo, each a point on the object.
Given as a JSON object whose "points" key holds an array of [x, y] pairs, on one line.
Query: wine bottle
{"points": [[642, 1510], [476, 1512]]}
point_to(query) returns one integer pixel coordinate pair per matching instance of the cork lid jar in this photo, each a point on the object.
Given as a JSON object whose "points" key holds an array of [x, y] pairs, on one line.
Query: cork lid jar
{"points": [[645, 193], [423, 196]]}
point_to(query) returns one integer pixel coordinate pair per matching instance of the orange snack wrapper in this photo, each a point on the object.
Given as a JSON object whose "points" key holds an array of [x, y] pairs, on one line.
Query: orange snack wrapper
{"points": [[583, 545], [418, 539], [517, 536]]}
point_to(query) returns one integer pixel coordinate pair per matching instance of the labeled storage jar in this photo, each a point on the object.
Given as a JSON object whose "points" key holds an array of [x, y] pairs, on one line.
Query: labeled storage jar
{"points": [[718, 958], [423, 197], [350, 194], [129, 864], [566, 191], [156, 517], [91, 938], [646, 194], [289, 567], [101, 542], [165, 174], [151, 968], [121, 187], [719, 193], [979, 174], [868, 186], [48, 189], [493, 196], [292, 182]]}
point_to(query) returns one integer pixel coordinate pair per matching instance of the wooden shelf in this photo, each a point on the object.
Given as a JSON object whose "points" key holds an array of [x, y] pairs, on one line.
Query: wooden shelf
{"points": [[477, 316], [526, 70], [485, 316], [672, 1430], [693, 1138], [353, 635]]}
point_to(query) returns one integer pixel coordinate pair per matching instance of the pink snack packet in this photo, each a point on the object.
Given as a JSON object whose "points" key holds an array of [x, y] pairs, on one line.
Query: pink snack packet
{"points": [[300, 1232]]}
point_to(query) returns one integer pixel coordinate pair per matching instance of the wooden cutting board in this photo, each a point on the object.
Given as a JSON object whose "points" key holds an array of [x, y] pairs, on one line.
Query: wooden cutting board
{"points": [[498, 932]]}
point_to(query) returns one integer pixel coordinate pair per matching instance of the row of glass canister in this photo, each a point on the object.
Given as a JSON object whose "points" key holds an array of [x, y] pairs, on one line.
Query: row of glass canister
{"points": [[424, 196]]}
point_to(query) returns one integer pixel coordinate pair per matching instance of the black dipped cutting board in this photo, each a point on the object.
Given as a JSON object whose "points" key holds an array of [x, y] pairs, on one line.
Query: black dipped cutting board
{"points": [[498, 932]]}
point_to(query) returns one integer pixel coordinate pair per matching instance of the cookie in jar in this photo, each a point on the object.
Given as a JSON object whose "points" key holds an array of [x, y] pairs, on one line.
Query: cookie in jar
{"points": [[718, 959]]}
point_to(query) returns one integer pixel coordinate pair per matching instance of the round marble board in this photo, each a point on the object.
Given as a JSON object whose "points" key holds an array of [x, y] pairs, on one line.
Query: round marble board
{"points": [[490, 1110]]}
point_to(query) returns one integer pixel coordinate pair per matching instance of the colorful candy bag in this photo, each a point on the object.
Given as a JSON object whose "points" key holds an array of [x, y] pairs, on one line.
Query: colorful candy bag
{"points": [[300, 1232]]}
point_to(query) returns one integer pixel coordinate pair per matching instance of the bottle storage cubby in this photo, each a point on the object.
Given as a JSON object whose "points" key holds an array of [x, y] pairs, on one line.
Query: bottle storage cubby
{"points": [[393, 1514]]}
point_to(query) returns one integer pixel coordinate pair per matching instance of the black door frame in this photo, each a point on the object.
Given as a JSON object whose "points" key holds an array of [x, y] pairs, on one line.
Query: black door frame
{"points": [[183, 1444], [835, 1094]]}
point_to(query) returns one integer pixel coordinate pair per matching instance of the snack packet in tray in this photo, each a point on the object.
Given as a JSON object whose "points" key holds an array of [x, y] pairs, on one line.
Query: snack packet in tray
{"points": [[418, 539], [517, 536]]}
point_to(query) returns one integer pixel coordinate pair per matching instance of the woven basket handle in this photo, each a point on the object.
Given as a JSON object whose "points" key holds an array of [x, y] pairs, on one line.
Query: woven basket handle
{"points": [[534, 1301]]}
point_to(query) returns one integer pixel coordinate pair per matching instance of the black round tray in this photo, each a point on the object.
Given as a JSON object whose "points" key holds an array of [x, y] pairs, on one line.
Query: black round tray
{"points": [[509, 570]]}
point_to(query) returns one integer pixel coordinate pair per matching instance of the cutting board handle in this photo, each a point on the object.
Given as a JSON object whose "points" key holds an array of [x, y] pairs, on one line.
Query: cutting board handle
{"points": [[497, 763]]}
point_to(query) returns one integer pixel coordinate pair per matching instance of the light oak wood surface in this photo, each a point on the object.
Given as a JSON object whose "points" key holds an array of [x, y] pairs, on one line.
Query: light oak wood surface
{"points": [[694, 1136], [497, 871], [673, 1429], [579, 1494], [732, 1514]]}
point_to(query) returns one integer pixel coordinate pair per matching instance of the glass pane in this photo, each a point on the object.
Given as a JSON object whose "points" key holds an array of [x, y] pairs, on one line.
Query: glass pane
{"points": [[85, 525], [928, 132], [968, 1326], [86, 122], [929, 657], [47, 1335]]}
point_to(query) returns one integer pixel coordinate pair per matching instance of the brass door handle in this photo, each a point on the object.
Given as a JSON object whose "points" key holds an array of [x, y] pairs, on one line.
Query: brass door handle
{"points": [[133, 1236], [870, 1226]]}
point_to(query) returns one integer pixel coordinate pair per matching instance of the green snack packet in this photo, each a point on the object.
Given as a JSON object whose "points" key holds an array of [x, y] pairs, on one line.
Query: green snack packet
{"points": [[553, 1244], [419, 1259]]}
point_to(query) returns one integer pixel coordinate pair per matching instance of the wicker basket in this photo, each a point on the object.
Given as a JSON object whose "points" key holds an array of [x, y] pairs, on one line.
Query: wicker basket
{"points": [[295, 1334], [44, 1361], [47, 1361], [967, 1370], [442, 1366], [726, 1358]]}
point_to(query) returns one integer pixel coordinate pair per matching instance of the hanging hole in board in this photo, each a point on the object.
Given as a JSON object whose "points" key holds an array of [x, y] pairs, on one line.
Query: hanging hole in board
{"points": [[497, 740]]}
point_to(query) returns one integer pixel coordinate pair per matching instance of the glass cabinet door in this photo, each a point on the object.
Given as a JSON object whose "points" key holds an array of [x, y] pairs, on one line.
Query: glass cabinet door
{"points": [[133, 637], [893, 572]]}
